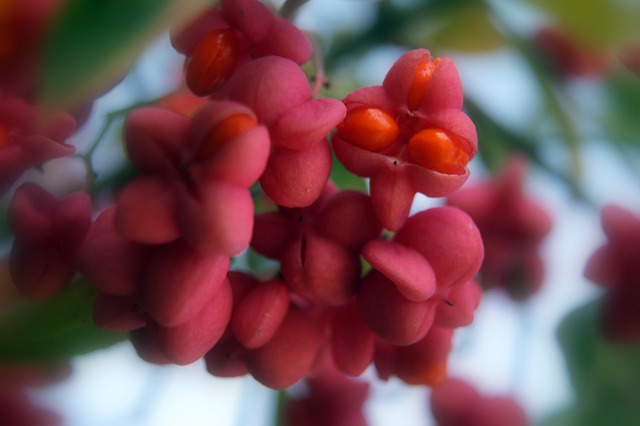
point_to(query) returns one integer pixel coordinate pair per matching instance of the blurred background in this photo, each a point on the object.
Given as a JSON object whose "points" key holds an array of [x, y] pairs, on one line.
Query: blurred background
{"points": [[541, 78]]}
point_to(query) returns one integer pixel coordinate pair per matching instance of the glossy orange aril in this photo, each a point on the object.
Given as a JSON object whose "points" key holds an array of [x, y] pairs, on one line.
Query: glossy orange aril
{"points": [[438, 150], [431, 374], [212, 61], [421, 77], [224, 131], [369, 128]]}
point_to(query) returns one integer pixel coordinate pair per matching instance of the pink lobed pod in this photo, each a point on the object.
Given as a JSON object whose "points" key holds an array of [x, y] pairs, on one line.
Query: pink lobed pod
{"points": [[421, 363], [112, 263], [195, 176], [179, 281], [454, 402], [320, 270], [331, 399], [17, 408], [191, 340], [221, 39], [319, 245], [226, 358], [117, 313], [413, 275], [407, 268], [614, 267], [448, 238], [458, 309], [621, 227], [408, 135], [568, 56], [28, 138], [145, 342], [300, 161], [512, 226], [48, 236], [352, 343], [289, 355], [258, 315], [389, 314]]}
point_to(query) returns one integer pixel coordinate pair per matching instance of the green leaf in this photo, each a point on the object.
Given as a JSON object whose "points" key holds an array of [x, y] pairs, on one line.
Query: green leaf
{"points": [[344, 179], [562, 418], [622, 97], [467, 28], [605, 375], [54, 329], [93, 43], [597, 23]]}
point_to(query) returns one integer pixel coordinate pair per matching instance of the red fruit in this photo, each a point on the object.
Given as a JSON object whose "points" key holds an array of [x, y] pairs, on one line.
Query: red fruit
{"points": [[352, 342], [191, 340], [389, 314], [289, 355], [259, 314], [179, 281]]}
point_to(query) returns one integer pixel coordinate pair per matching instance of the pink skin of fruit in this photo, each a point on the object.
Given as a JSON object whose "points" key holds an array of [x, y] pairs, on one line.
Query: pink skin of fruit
{"points": [[512, 226], [454, 402], [300, 160], [27, 139], [195, 174], [435, 104], [429, 263], [246, 30], [319, 245], [175, 299], [332, 399], [48, 235], [284, 339], [614, 267], [421, 363]]}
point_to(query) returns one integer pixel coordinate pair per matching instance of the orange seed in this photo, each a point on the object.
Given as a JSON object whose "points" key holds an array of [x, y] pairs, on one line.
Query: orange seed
{"points": [[224, 131], [212, 61], [369, 128], [420, 81], [437, 150]]}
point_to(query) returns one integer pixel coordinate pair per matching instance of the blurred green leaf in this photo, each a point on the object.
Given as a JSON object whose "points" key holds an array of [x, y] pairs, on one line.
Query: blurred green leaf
{"points": [[93, 43], [54, 329], [622, 97], [467, 28], [606, 376], [597, 23], [344, 179], [563, 418]]}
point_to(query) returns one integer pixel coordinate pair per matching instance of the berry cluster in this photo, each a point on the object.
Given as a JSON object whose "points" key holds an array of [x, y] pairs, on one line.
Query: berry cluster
{"points": [[456, 403], [613, 266], [159, 255], [513, 227]]}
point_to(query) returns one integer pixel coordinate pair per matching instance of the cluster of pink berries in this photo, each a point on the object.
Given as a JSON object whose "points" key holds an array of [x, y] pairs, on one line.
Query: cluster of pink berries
{"points": [[159, 256], [612, 267], [456, 403], [513, 227]]}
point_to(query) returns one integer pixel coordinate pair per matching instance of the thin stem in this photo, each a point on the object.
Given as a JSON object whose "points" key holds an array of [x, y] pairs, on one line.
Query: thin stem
{"points": [[290, 7], [110, 119], [320, 80]]}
